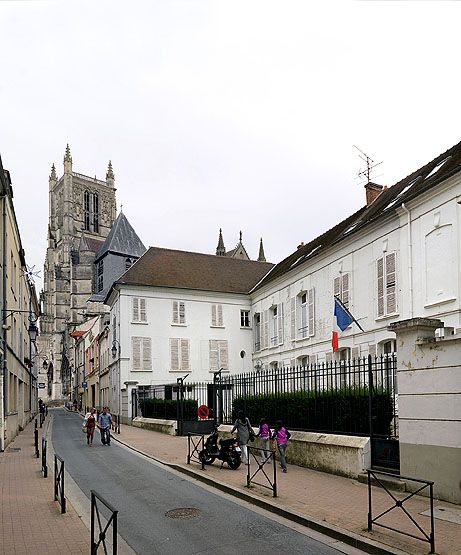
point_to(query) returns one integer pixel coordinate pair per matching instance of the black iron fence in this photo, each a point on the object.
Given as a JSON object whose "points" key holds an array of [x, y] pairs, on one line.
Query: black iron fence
{"points": [[347, 397], [428, 537], [102, 538], [59, 483], [266, 468]]}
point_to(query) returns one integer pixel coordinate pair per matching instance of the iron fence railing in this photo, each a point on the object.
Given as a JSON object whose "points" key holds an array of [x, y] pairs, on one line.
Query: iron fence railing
{"points": [[348, 397], [59, 483], [266, 469], [102, 539], [399, 504]]}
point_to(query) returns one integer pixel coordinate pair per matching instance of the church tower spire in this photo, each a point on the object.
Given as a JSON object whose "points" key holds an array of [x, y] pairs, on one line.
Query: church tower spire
{"points": [[67, 160], [220, 249], [110, 177], [261, 257]]}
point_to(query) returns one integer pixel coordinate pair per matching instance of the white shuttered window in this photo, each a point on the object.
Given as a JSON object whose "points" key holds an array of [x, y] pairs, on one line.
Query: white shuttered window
{"points": [[305, 314], [219, 357], [386, 276], [179, 312], [276, 325], [216, 315], [141, 352], [341, 288], [139, 312], [179, 354]]}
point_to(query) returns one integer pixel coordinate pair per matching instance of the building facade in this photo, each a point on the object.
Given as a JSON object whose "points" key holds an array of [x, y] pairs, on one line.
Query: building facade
{"points": [[19, 314], [82, 211]]}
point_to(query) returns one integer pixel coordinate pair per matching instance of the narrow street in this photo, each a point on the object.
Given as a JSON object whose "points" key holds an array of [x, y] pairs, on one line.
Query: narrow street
{"points": [[144, 492]]}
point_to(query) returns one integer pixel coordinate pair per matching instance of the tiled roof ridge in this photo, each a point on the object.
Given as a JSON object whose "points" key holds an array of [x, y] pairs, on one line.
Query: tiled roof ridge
{"points": [[208, 255]]}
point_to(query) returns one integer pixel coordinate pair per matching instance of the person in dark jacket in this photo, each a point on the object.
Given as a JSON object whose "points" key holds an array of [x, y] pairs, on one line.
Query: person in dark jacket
{"points": [[244, 432]]}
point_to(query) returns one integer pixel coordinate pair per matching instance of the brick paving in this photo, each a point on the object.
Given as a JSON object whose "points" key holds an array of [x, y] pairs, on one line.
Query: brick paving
{"points": [[338, 501], [30, 521]]}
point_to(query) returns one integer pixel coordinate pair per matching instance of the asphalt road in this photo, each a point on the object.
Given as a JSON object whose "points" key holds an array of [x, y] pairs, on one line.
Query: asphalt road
{"points": [[144, 492]]}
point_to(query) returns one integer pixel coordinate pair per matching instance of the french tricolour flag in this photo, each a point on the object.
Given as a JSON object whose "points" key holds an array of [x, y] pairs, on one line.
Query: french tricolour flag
{"points": [[342, 320]]}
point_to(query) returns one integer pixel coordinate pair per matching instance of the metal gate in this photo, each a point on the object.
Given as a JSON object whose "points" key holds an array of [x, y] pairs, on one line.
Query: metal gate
{"points": [[384, 443]]}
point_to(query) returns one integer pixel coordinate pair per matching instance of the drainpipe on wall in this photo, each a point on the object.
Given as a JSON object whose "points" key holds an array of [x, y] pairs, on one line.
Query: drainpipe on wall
{"points": [[410, 257]]}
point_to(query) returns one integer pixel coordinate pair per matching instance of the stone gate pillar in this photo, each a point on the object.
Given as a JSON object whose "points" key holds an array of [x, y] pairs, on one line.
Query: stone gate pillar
{"points": [[429, 405]]}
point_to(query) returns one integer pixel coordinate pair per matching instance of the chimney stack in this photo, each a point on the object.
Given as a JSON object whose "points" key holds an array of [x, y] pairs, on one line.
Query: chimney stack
{"points": [[372, 191]]}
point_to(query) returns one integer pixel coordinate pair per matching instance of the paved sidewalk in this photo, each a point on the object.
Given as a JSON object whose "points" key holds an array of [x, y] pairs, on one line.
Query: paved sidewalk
{"points": [[30, 521], [333, 500]]}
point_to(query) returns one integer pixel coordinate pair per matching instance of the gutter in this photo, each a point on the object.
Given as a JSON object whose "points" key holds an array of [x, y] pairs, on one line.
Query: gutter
{"points": [[410, 257]]}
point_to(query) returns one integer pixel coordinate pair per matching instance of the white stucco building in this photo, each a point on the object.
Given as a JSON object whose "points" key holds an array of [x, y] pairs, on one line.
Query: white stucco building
{"points": [[395, 258]]}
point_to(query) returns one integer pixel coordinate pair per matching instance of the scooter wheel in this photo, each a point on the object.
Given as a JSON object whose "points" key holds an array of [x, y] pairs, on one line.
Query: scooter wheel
{"points": [[206, 458], [234, 462]]}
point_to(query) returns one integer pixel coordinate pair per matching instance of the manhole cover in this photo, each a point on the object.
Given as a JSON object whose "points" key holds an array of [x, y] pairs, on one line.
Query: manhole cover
{"points": [[183, 513], [13, 449]]}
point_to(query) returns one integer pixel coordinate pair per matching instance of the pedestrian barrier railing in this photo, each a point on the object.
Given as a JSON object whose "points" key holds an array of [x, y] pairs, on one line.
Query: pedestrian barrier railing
{"points": [[37, 453], [59, 483], [399, 504], [195, 444], [266, 469], [102, 538], [44, 465]]}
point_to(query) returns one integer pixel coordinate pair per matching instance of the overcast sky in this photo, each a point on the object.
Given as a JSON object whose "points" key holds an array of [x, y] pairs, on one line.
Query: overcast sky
{"points": [[240, 115]]}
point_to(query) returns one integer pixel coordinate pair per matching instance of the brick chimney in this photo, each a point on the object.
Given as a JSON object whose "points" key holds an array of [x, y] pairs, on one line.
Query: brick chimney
{"points": [[372, 191]]}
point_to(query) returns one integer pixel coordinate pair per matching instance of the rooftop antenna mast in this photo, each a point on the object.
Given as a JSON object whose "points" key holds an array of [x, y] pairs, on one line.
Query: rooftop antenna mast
{"points": [[371, 164]]}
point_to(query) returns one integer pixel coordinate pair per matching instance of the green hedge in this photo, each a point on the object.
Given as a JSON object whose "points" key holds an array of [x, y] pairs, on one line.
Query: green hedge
{"points": [[167, 408], [339, 411]]}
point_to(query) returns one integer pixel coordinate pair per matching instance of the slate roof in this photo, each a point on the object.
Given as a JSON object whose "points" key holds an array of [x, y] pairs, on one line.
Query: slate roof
{"points": [[93, 244], [192, 270], [122, 239], [425, 178]]}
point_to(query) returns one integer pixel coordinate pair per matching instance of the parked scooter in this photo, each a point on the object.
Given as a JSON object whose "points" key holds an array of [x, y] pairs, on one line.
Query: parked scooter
{"points": [[228, 451]]}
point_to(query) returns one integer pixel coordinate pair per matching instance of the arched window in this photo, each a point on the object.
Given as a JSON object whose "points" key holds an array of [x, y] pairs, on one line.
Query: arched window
{"points": [[86, 210]]}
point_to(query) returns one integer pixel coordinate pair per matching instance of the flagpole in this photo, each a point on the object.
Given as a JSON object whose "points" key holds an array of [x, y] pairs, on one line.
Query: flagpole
{"points": [[348, 312]]}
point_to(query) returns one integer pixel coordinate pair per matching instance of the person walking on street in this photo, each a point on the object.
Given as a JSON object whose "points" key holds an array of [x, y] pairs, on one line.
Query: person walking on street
{"points": [[281, 436], [244, 434], [105, 421], [90, 423], [265, 435]]}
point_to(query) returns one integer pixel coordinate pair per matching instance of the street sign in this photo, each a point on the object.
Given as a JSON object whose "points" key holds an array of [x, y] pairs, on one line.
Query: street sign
{"points": [[84, 385], [203, 412], [41, 385]]}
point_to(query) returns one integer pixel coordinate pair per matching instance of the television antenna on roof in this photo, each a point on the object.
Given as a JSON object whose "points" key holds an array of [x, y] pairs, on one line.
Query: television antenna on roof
{"points": [[371, 164]]}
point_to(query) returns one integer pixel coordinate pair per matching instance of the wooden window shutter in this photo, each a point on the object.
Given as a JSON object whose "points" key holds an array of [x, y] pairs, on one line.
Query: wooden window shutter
{"points": [[136, 352], [292, 363], [280, 323], [182, 313], [293, 318], [135, 309], [223, 355], [380, 284], [391, 284], [174, 354], [265, 340], [214, 355], [311, 297], [175, 312], [372, 349], [337, 287], [355, 353], [328, 357], [142, 310], [345, 290], [146, 353], [213, 315], [219, 315], [185, 365]]}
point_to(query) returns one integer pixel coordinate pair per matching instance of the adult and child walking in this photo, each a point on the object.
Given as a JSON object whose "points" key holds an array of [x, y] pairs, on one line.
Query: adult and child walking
{"points": [[278, 437], [103, 422]]}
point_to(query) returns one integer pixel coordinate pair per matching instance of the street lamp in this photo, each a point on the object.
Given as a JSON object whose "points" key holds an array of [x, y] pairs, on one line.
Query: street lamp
{"points": [[117, 349], [33, 331]]}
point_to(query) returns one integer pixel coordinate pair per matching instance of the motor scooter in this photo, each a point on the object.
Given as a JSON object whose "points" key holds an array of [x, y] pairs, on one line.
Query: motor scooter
{"points": [[228, 451]]}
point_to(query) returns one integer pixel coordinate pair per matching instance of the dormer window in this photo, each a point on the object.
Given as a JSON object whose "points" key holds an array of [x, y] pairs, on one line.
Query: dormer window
{"points": [[128, 263]]}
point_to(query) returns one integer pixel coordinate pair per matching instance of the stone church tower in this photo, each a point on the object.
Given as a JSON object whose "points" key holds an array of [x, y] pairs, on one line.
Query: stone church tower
{"points": [[82, 210]]}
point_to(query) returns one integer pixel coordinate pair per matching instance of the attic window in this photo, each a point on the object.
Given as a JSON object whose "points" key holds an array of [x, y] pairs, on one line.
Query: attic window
{"points": [[437, 167], [305, 256], [128, 263], [350, 228], [402, 192]]}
